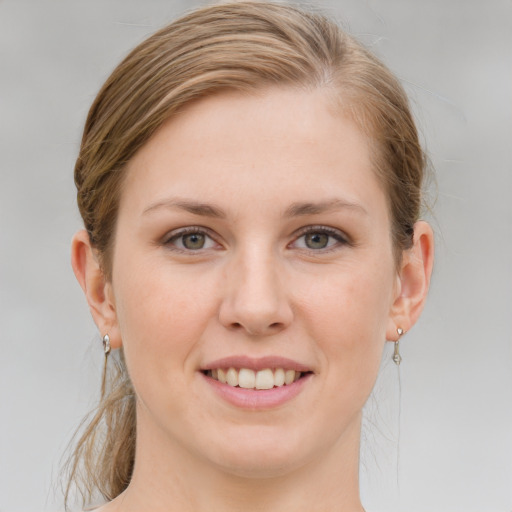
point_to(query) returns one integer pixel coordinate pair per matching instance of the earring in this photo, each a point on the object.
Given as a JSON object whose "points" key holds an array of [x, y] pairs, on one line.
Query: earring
{"points": [[106, 344], [397, 358]]}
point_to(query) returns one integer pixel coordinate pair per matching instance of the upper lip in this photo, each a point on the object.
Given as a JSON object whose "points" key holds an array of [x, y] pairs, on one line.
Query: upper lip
{"points": [[256, 364]]}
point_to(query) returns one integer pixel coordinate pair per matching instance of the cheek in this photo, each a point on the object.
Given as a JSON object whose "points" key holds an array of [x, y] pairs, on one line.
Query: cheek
{"points": [[159, 320], [353, 304], [160, 325], [351, 335], [348, 317]]}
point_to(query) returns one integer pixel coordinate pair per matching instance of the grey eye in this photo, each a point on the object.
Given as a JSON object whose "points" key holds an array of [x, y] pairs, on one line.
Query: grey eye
{"points": [[320, 238], [193, 241], [316, 240]]}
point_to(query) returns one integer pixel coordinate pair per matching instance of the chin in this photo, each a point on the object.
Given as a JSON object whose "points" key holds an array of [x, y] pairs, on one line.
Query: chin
{"points": [[261, 452]]}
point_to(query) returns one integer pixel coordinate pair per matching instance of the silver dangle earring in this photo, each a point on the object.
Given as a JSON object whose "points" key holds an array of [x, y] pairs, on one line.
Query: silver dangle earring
{"points": [[106, 344], [397, 358]]}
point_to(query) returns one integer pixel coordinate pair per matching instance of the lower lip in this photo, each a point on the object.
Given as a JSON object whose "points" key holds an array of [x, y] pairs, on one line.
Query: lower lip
{"points": [[257, 399]]}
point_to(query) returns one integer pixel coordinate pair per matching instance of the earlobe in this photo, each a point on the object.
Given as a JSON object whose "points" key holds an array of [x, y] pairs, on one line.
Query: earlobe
{"points": [[414, 280], [97, 290]]}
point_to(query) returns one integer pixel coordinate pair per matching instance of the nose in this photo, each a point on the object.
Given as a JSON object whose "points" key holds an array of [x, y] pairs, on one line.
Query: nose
{"points": [[255, 299]]}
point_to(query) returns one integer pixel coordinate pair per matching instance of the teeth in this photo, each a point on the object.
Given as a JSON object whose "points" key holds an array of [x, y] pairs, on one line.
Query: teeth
{"points": [[232, 377], [279, 377], [264, 379], [221, 375], [289, 376], [249, 379], [246, 378]]}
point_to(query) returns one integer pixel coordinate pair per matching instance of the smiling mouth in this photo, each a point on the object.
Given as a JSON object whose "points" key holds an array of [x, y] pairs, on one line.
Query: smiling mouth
{"points": [[249, 379]]}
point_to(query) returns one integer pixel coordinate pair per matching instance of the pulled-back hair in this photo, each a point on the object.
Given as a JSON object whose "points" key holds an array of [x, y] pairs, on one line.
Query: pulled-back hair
{"points": [[241, 46]]}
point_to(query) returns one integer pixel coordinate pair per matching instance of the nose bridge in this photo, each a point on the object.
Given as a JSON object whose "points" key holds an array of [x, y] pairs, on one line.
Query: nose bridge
{"points": [[255, 299]]}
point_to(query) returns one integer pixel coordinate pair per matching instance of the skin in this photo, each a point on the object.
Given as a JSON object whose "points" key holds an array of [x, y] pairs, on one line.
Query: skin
{"points": [[257, 288]]}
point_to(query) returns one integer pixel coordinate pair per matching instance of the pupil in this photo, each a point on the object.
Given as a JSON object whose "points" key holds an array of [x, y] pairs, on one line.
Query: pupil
{"points": [[317, 240], [193, 241]]}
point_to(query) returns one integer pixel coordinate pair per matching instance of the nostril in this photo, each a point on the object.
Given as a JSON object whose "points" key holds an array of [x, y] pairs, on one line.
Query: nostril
{"points": [[257, 330]]}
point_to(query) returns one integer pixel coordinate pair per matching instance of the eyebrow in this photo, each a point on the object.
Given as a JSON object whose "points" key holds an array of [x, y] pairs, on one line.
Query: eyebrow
{"points": [[295, 210], [195, 207], [298, 209]]}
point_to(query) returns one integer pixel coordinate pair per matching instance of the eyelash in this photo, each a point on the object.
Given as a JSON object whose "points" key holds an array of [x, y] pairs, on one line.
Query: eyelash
{"points": [[191, 230], [338, 236]]}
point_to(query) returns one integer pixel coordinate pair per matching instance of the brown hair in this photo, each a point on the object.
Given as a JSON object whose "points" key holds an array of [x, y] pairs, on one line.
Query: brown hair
{"points": [[244, 46]]}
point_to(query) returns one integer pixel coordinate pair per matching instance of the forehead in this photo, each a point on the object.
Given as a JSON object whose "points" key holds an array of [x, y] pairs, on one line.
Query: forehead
{"points": [[273, 144]]}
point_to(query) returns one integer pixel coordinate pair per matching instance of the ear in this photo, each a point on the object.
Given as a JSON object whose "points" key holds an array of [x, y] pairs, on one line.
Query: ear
{"points": [[413, 281], [98, 291]]}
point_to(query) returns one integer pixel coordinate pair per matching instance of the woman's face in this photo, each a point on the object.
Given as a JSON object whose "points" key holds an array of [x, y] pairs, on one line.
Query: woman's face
{"points": [[253, 234]]}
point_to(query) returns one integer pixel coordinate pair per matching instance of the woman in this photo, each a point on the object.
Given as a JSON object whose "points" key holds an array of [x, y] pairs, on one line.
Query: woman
{"points": [[250, 184]]}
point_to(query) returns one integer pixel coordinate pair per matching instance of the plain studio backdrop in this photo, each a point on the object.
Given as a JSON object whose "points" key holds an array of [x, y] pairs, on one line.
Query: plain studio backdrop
{"points": [[448, 447]]}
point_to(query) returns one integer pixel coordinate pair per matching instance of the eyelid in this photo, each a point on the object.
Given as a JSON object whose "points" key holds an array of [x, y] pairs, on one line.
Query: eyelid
{"points": [[341, 237], [188, 230]]}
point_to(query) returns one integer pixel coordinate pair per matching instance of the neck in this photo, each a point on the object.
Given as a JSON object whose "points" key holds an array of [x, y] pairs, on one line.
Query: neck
{"points": [[172, 479]]}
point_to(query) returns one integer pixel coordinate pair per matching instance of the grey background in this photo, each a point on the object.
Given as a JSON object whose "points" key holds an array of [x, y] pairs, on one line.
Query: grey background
{"points": [[453, 450]]}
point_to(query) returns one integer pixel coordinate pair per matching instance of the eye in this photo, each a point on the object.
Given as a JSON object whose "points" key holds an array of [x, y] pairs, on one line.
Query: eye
{"points": [[316, 240], [319, 238], [191, 239]]}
